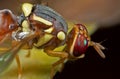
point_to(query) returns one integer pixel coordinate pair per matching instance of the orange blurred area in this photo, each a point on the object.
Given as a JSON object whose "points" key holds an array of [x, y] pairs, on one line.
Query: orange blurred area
{"points": [[84, 11], [100, 11]]}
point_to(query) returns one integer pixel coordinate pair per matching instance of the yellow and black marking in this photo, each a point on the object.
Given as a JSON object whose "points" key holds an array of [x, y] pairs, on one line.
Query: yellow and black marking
{"points": [[25, 26], [43, 40], [61, 35], [49, 30], [50, 17], [38, 18], [27, 9]]}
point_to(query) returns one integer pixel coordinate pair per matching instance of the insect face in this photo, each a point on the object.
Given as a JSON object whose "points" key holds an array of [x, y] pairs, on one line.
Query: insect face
{"points": [[78, 41], [81, 41], [80, 46]]}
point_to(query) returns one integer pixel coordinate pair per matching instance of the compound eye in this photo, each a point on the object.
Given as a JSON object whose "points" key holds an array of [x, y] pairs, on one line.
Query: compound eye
{"points": [[81, 44]]}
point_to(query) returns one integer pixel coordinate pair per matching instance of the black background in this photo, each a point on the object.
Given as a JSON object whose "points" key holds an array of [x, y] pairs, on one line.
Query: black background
{"points": [[93, 66]]}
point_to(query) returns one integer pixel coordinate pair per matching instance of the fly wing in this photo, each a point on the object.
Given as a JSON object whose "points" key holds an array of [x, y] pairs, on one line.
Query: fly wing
{"points": [[5, 60], [5, 43], [7, 57]]}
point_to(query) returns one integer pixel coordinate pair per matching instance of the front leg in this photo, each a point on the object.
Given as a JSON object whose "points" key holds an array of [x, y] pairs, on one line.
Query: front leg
{"points": [[63, 56], [19, 67]]}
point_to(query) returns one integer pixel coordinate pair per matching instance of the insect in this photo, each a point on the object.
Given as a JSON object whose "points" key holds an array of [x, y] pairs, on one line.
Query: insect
{"points": [[41, 27]]}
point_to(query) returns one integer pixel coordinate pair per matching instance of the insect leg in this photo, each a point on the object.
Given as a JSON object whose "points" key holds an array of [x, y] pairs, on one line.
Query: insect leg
{"points": [[29, 47], [19, 67], [28, 53], [63, 56], [62, 66]]}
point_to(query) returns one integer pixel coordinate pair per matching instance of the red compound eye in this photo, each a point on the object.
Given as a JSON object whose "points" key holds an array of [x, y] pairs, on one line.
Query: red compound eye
{"points": [[81, 44]]}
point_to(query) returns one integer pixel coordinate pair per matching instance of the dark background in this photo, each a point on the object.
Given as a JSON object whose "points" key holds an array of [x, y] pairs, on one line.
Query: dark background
{"points": [[93, 66]]}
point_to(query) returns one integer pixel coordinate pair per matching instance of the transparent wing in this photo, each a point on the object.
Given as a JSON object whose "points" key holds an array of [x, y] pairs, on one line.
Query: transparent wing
{"points": [[7, 57], [5, 60], [6, 52], [5, 44]]}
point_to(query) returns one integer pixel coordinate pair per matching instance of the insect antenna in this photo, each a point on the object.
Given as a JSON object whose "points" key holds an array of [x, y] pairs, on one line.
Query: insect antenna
{"points": [[98, 47]]}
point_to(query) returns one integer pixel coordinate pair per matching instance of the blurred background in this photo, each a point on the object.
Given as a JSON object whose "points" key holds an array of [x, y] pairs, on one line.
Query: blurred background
{"points": [[99, 11], [105, 14]]}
